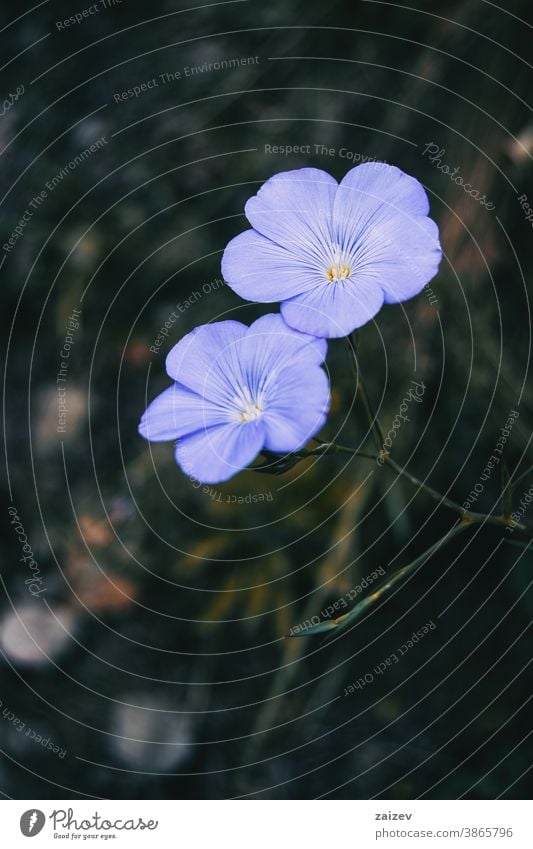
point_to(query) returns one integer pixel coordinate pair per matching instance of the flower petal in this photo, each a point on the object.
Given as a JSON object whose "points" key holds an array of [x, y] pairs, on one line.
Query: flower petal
{"points": [[380, 221], [271, 345], [178, 411], [297, 409], [258, 269], [374, 185], [334, 309], [206, 360], [411, 256], [293, 209], [216, 454]]}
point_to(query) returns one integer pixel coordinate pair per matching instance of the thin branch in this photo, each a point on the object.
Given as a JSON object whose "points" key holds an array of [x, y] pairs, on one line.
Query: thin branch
{"points": [[501, 521], [442, 499], [520, 478], [356, 612], [333, 448], [372, 417]]}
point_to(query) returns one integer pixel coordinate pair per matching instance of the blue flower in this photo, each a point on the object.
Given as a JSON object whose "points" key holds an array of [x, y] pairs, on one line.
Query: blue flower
{"points": [[238, 390], [333, 254]]}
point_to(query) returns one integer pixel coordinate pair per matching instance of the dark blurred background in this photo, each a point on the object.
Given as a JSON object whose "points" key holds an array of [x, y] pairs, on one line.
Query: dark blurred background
{"points": [[150, 659]]}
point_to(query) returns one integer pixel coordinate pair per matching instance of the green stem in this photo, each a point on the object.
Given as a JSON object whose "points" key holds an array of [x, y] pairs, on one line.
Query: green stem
{"points": [[520, 478], [372, 417], [356, 612], [442, 499], [333, 448], [505, 520], [501, 521]]}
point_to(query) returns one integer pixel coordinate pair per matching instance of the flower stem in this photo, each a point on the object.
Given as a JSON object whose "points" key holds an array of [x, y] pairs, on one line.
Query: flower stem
{"points": [[333, 448], [503, 521], [469, 517], [356, 612], [514, 483], [442, 499], [352, 341]]}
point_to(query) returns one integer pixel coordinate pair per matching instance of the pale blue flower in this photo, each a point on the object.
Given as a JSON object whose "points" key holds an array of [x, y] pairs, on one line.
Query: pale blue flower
{"points": [[334, 253], [239, 390]]}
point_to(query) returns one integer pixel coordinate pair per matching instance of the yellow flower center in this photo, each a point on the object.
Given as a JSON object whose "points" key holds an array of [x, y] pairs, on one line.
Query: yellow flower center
{"points": [[339, 268], [338, 271]]}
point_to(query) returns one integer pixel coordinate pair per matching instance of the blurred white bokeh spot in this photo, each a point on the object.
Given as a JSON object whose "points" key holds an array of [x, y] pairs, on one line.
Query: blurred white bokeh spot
{"points": [[151, 734], [31, 634]]}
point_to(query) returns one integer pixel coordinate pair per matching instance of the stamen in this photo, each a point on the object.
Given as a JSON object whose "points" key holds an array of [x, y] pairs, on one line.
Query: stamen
{"points": [[251, 413], [248, 409], [339, 268], [338, 272]]}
